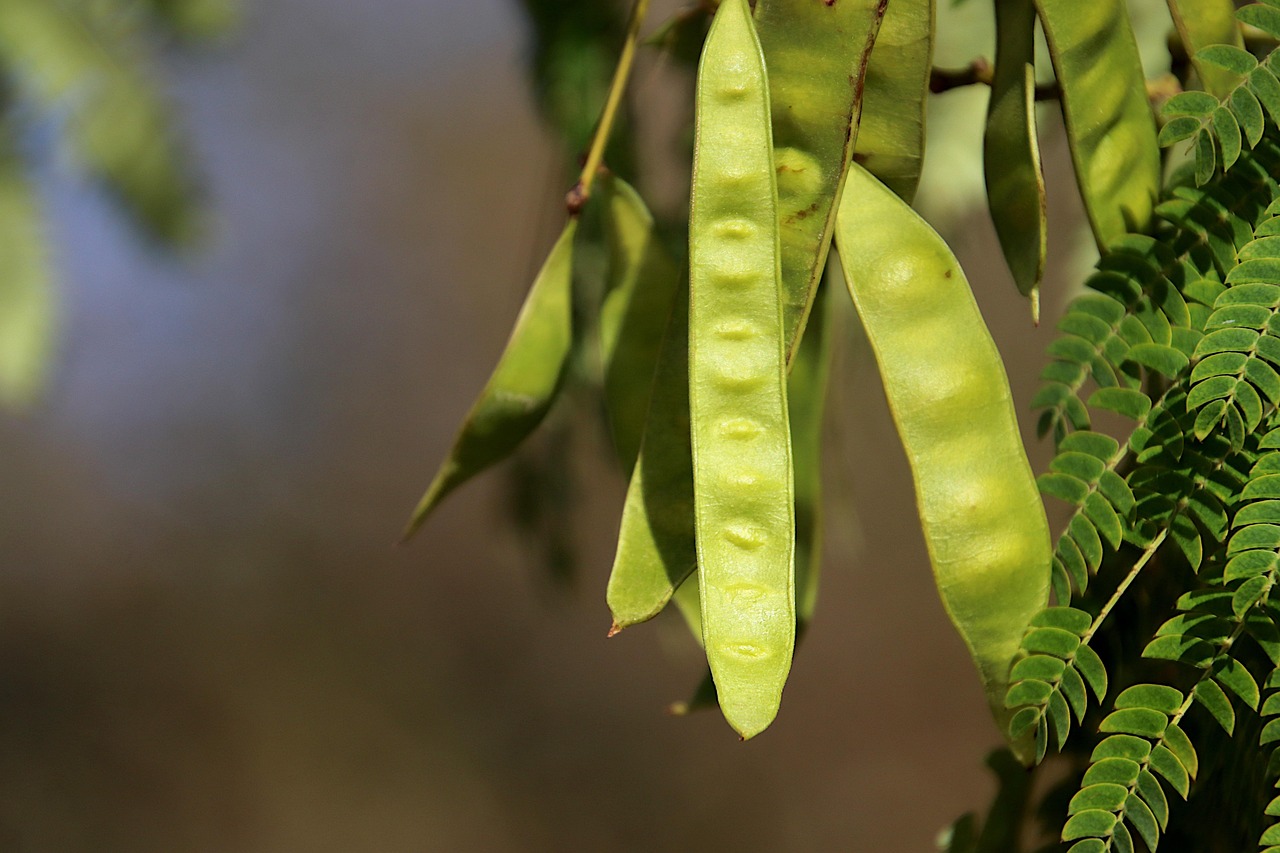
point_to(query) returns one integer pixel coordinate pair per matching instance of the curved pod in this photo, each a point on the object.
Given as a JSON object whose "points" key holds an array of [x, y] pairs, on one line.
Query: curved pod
{"points": [[522, 387], [1110, 128], [983, 520], [1011, 151], [817, 56], [891, 135], [640, 291], [656, 549], [744, 513]]}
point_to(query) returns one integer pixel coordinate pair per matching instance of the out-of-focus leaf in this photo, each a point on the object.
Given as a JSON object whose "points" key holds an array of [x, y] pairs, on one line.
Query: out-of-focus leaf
{"points": [[195, 19], [26, 297], [93, 71]]}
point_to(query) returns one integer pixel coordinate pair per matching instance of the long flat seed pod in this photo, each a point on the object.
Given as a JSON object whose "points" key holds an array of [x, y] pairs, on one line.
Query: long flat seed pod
{"points": [[656, 549], [1011, 151], [815, 99], [891, 137], [643, 279], [817, 56], [1201, 23], [807, 397], [1110, 127], [523, 386], [983, 521], [744, 511]]}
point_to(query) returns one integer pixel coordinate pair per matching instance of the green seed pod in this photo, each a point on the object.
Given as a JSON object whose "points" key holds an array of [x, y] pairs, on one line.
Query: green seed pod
{"points": [[817, 56], [743, 500], [1011, 151], [891, 138], [642, 282], [983, 521], [523, 385], [1110, 127]]}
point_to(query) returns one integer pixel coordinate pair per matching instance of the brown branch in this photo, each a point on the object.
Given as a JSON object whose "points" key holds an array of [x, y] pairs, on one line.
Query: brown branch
{"points": [[979, 71]]}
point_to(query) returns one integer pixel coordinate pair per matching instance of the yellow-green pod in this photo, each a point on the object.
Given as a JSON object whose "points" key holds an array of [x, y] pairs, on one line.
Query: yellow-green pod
{"points": [[642, 281], [814, 99], [1110, 127], [1011, 151], [983, 520], [806, 395], [523, 386], [744, 512], [817, 57], [1201, 23], [891, 137]]}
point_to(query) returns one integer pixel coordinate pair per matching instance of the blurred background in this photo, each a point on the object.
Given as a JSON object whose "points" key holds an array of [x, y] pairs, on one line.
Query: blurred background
{"points": [[207, 639]]}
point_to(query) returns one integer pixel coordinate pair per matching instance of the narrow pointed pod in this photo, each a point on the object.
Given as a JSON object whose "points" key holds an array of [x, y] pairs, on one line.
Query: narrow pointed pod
{"points": [[656, 549], [815, 104], [641, 286], [983, 521], [1011, 151], [817, 56], [522, 387], [807, 397], [891, 137], [1110, 128], [744, 512]]}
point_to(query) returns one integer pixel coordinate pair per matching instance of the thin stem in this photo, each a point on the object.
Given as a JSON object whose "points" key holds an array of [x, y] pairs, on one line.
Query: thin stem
{"points": [[945, 79], [978, 71], [1124, 585], [581, 191], [1159, 89]]}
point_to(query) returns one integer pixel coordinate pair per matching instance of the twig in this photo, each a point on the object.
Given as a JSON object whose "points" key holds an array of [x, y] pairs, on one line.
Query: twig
{"points": [[581, 191]]}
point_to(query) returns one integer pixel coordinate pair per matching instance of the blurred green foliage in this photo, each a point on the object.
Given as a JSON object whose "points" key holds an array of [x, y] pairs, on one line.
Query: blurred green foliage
{"points": [[87, 70]]}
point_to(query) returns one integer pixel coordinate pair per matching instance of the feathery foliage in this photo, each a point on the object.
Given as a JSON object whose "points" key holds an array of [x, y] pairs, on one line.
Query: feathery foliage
{"points": [[1141, 673]]}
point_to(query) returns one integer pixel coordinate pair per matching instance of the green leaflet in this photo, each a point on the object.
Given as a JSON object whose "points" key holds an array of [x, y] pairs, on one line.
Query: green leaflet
{"points": [[656, 549], [1011, 152], [26, 295], [116, 117], [1204, 22], [1109, 123], [982, 517], [817, 57], [891, 137], [633, 318], [523, 385]]}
